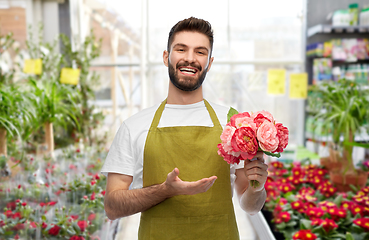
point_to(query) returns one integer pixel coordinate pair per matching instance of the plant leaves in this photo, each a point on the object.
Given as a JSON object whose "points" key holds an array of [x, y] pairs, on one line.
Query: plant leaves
{"points": [[349, 236], [231, 112], [273, 154]]}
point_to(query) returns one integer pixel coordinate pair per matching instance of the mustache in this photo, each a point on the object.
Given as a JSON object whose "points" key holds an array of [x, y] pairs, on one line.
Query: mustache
{"points": [[186, 64]]}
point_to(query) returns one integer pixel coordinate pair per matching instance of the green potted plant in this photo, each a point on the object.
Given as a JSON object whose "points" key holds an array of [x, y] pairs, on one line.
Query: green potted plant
{"points": [[345, 110], [55, 103], [82, 58]]}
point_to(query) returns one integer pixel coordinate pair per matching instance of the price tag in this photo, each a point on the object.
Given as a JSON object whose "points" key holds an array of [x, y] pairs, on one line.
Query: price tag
{"points": [[298, 85], [33, 66], [70, 76], [276, 81]]}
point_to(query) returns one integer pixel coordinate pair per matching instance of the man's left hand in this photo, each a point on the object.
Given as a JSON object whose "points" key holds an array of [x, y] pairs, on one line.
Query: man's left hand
{"points": [[256, 169]]}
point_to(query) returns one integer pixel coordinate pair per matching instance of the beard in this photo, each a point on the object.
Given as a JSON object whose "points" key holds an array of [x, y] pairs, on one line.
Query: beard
{"points": [[186, 84]]}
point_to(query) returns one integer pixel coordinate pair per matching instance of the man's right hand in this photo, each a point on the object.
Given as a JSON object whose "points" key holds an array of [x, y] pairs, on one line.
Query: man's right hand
{"points": [[175, 186], [119, 201]]}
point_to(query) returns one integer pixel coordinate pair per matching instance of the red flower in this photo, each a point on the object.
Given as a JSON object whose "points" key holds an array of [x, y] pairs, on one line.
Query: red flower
{"points": [[92, 196], [91, 217], [282, 134], [11, 205], [51, 203], [277, 164], [314, 212], [103, 193], [76, 238], [298, 206], [44, 225], [227, 157], [329, 225], [362, 222], [54, 230], [19, 226], [304, 235], [317, 222], [73, 217], [24, 204], [19, 186], [287, 187], [244, 141], [17, 215], [82, 225], [283, 217], [93, 182], [33, 225], [8, 213], [357, 209], [96, 176]]}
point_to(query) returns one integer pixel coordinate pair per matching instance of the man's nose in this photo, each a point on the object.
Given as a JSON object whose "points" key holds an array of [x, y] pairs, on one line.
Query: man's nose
{"points": [[190, 56]]}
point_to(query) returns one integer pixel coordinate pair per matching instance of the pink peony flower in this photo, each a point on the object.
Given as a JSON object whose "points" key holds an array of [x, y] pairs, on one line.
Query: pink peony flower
{"points": [[267, 137], [261, 116], [282, 134], [230, 159], [244, 141], [245, 122], [239, 115]]}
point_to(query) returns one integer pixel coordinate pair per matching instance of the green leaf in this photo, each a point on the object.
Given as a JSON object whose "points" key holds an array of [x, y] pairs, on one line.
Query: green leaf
{"points": [[349, 236], [338, 200], [291, 224], [306, 224], [273, 154], [231, 112]]}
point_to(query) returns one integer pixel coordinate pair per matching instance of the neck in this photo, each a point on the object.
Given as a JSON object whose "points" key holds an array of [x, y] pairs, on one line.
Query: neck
{"points": [[177, 96]]}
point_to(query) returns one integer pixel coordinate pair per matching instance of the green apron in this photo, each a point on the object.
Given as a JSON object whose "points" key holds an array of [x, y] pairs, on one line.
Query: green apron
{"points": [[193, 150]]}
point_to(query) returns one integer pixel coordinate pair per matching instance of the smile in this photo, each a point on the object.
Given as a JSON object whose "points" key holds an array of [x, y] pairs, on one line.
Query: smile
{"points": [[188, 70]]}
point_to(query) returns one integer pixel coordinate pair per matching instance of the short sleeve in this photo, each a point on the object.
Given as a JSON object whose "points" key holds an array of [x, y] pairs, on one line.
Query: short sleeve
{"points": [[120, 157]]}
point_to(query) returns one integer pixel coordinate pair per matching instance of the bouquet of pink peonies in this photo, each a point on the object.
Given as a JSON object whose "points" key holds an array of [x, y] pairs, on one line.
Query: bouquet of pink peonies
{"points": [[246, 133]]}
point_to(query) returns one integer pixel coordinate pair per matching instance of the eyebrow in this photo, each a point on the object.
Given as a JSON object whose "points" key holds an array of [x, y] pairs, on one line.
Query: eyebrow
{"points": [[184, 45]]}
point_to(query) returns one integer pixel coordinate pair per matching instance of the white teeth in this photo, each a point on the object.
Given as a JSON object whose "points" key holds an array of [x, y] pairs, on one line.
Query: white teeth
{"points": [[188, 70]]}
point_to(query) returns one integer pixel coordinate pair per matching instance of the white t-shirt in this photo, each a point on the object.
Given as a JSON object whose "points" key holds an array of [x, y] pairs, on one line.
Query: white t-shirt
{"points": [[127, 150]]}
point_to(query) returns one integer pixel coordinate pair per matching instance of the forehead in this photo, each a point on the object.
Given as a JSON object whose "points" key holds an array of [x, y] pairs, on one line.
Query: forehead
{"points": [[191, 39]]}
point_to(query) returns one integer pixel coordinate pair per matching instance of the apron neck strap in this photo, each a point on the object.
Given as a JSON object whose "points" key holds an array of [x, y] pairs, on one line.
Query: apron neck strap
{"points": [[160, 110]]}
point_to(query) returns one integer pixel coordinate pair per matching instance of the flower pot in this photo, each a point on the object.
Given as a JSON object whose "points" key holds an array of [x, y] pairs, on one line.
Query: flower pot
{"points": [[342, 181]]}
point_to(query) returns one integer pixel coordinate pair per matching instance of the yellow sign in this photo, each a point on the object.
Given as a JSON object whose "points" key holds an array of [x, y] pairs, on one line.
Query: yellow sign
{"points": [[70, 76], [33, 66], [276, 81], [298, 85]]}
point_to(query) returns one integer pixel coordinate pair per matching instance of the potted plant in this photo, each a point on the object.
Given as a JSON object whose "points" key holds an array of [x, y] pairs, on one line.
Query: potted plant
{"points": [[54, 102], [345, 110]]}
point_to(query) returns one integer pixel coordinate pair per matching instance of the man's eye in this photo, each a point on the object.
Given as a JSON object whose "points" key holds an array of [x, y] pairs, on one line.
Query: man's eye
{"points": [[180, 50], [201, 53]]}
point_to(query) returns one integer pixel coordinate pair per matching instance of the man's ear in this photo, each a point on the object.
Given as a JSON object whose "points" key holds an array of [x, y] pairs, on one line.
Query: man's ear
{"points": [[165, 57], [210, 63]]}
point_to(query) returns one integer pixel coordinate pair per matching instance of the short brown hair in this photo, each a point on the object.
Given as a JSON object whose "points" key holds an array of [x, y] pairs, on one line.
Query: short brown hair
{"points": [[192, 24]]}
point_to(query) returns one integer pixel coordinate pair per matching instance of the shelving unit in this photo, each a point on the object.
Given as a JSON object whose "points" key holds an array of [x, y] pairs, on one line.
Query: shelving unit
{"points": [[329, 29], [319, 29]]}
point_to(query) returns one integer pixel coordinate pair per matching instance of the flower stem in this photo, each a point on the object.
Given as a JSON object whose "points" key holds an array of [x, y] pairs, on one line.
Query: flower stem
{"points": [[255, 183]]}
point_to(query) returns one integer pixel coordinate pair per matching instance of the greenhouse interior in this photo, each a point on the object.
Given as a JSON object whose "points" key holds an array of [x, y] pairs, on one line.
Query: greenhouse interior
{"points": [[286, 101]]}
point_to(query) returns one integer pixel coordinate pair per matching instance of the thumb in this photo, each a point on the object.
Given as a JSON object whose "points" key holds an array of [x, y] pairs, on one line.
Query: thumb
{"points": [[173, 174]]}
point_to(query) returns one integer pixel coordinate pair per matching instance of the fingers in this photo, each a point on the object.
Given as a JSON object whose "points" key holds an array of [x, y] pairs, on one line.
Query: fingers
{"points": [[173, 174]]}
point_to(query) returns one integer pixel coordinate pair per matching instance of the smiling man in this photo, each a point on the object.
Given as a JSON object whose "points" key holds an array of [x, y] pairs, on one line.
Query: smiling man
{"points": [[163, 161]]}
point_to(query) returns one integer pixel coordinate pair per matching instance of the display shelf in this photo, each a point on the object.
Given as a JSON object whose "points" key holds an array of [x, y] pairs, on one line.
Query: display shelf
{"points": [[321, 28], [363, 137]]}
